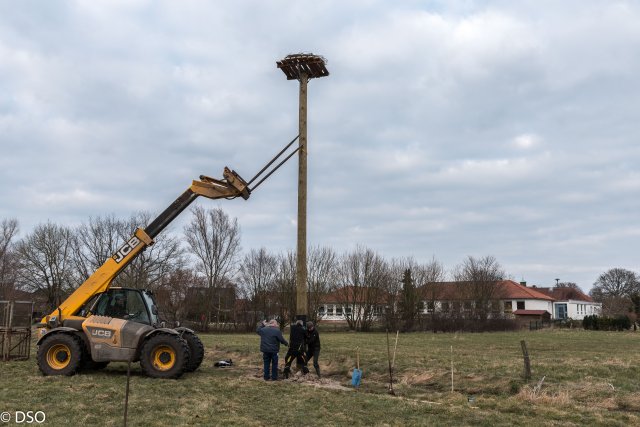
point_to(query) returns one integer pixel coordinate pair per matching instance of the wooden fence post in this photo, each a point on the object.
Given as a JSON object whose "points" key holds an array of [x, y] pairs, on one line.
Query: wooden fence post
{"points": [[527, 362]]}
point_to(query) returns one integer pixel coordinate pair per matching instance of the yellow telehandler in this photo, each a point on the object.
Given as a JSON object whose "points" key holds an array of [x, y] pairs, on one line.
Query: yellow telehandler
{"points": [[98, 324]]}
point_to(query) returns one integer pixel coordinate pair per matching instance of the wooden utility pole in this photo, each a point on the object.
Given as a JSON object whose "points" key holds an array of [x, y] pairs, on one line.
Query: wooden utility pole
{"points": [[302, 67], [301, 262]]}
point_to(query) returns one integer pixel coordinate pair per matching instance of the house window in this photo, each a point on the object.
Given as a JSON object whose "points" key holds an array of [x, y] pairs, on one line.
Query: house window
{"points": [[431, 306], [561, 311], [467, 306], [520, 305], [347, 311], [329, 310], [338, 310], [508, 308], [444, 306], [456, 307], [321, 311]]}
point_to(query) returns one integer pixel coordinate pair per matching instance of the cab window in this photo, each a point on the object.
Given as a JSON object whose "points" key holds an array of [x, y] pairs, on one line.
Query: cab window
{"points": [[123, 304]]}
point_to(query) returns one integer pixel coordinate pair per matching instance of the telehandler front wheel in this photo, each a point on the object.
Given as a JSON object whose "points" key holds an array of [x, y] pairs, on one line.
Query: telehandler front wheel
{"points": [[60, 354], [164, 356]]}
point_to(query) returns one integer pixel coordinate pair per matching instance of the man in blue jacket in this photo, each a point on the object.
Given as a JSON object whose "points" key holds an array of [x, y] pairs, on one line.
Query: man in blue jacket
{"points": [[270, 339]]}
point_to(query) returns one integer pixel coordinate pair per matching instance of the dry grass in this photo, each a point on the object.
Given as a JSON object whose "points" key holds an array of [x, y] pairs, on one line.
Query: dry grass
{"points": [[591, 378]]}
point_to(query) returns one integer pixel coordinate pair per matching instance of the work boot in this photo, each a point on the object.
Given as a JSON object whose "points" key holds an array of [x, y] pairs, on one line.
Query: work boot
{"points": [[305, 370], [318, 371], [286, 372]]}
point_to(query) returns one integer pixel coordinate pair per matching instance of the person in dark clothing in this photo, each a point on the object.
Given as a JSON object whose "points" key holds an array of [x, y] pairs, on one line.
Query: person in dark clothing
{"points": [[270, 339], [118, 309], [296, 349], [312, 338]]}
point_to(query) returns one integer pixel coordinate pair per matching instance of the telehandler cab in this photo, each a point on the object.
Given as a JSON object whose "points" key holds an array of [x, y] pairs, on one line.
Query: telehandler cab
{"points": [[98, 324]]}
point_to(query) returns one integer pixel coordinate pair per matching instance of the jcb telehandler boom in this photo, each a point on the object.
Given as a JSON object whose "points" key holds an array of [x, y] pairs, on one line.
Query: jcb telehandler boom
{"points": [[98, 324]]}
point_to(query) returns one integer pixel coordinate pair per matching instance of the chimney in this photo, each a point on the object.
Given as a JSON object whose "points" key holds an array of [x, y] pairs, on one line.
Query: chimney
{"points": [[523, 283]]}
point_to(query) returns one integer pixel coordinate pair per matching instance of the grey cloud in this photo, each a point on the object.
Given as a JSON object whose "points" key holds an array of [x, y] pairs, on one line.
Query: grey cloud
{"points": [[474, 128]]}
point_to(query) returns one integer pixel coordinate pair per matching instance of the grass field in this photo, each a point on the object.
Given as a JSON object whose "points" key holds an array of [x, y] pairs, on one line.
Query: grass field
{"points": [[590, 378]]}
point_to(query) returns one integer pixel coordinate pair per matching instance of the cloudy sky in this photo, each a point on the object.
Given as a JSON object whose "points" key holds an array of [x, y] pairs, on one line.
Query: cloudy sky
{"points": [[446, 129]]}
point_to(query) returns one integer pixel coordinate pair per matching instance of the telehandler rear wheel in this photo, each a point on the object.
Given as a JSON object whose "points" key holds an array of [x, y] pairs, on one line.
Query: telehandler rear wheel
{"points": [[60, 354], [164, 356], [196, 350]]}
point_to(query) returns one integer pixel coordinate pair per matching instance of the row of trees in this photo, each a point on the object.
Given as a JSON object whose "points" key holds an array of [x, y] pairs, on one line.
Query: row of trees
{"points": [[53, 259]]}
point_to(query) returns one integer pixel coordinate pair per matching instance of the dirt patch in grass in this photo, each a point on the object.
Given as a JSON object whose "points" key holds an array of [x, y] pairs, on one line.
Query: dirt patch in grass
{"points": [[313, 381], [415, 377]]}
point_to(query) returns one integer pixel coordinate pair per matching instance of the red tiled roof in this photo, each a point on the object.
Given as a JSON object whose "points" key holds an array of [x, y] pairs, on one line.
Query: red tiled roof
{"points": [[565, 294], [505, 289], [530, 312], [510, 289]]}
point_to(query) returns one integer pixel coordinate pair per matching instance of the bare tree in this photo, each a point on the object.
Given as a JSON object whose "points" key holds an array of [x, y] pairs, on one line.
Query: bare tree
{"points": [[616, 282], [45, 261], [8, 270], [172, 294], [431, 272], [257, 276], [363, 275], [96, 241], [214, 240], [618, 290], [429, 278], [571, 285], [322, 276], [99, 239], [284, 287], [480, 278], [149, 268]]}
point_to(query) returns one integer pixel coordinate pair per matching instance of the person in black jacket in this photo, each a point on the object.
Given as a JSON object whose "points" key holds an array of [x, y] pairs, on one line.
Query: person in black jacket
{"points": [[296, 349], [312, 338], [270, 339]]}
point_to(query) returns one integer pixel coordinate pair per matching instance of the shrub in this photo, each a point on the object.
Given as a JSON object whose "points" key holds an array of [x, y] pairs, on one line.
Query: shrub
{"points": [[619, 323]]}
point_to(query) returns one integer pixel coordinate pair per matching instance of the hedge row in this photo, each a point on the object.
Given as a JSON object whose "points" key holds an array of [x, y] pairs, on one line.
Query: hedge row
{"points": [[618, 323]]}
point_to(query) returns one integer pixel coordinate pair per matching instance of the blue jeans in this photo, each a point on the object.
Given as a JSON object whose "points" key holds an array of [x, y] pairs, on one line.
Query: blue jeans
{"points": [[270, 361]]}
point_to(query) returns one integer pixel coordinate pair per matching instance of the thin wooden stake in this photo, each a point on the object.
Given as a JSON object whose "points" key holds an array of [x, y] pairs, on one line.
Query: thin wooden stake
{"points": [[395, 347], [390, 369], [451, 369], [527, 362], [126, 394]]}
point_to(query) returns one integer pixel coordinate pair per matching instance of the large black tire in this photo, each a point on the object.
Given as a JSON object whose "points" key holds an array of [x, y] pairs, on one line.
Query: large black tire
{"points": [[164, 355], [60, 354], [196, 350]]}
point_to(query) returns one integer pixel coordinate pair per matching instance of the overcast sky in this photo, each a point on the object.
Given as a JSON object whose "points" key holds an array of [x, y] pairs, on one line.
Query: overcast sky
{"points": [[446, 129]]}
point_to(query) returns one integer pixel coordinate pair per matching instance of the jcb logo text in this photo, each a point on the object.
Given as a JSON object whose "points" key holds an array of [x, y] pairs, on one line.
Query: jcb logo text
{"points": [[101, 333], [126, 249]]}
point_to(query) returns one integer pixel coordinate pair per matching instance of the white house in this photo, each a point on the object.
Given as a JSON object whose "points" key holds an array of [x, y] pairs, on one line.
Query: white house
{"points": [[571, 303], [508, 298]]}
